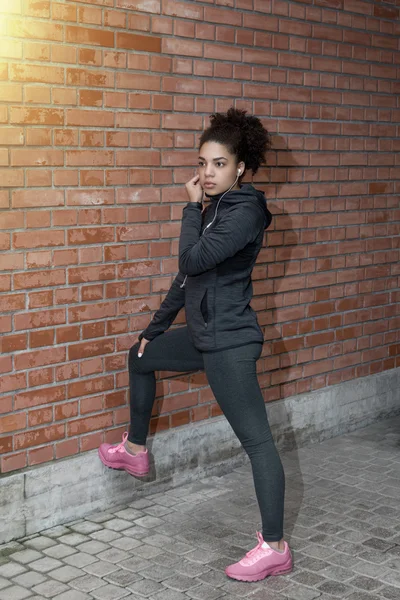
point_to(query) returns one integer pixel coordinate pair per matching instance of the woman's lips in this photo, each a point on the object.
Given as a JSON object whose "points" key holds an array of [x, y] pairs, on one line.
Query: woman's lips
{"points": [[209, 185]]}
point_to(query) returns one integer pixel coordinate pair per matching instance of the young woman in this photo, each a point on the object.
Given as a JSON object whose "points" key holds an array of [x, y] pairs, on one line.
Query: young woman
{"points": [[218, 248]]}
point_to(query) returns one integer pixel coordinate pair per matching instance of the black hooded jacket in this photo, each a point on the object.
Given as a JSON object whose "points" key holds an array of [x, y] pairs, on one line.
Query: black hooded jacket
{"points": [[217, 252]]}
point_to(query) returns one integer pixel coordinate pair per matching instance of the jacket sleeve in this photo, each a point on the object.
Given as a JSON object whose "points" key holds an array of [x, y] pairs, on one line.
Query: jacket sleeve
{"points": [[197, 253], [165, 315]]}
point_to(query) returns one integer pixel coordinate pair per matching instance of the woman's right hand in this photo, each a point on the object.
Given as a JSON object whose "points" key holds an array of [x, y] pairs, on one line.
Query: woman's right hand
{"points": [[142, 346]]}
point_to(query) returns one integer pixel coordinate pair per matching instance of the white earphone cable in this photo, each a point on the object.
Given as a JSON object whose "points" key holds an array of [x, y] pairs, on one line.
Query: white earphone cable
{"points": [[215, 215]]}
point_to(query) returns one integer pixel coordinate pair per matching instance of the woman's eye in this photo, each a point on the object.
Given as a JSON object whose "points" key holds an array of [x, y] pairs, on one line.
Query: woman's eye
{"points": [[220, 164]]}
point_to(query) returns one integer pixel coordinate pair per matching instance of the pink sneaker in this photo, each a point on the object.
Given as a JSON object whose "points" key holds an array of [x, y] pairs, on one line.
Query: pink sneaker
{"points": [[117, 457], [261, 562]]}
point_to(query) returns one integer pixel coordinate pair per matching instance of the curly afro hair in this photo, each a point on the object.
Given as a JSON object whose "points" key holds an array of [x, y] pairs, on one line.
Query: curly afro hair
{"points": [[243, 135]]}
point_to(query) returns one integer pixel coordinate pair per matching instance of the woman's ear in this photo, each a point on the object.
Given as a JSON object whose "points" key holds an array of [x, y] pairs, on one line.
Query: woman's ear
{"points": [[240, 168]]}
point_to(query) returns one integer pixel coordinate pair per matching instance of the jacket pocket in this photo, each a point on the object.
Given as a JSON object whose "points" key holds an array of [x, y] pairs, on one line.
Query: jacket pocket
{"points": [[204, 308]]}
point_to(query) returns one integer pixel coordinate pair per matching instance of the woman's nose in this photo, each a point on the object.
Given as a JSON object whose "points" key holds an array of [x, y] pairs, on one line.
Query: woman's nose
{"points": [[209, 171]]}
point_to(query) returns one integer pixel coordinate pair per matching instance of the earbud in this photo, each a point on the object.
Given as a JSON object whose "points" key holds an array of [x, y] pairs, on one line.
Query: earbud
{"points": [[239, 172]]}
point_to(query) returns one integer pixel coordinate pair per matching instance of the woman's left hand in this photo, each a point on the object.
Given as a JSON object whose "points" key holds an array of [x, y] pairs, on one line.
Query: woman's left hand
{"points": [[194, 189]]}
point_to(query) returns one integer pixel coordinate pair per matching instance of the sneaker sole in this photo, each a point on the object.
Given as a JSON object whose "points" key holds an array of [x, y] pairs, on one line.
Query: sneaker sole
{"points": [[262, 575], [121, 466]]}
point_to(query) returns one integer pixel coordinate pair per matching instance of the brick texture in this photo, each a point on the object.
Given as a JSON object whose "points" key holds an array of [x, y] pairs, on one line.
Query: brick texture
{"points": [[101, 106]]}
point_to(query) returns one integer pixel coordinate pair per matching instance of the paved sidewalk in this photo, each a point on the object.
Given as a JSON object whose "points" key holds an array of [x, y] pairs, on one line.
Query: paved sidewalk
{"points": [[342, 521]]}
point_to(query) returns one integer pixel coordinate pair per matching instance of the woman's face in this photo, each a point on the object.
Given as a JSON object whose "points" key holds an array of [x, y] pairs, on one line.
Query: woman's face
{"points": [[218, 168]]}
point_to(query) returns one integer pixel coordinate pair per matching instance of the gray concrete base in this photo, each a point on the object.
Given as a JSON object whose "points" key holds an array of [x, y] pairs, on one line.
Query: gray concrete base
{"points": [[44, 496]]}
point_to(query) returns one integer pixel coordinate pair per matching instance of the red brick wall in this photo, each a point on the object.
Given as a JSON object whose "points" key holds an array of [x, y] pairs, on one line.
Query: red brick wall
{"points": [[101, 103]]}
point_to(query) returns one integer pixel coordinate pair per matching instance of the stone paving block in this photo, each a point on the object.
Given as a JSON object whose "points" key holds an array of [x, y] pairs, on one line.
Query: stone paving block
{"points": [[117, 524], [109, 592], [344, 560], [299, 592], [146, 551], [383, 533], [181, 583], [11, 569], [56, 532], [43, 565], [100, 568], [393, 563], [157, 511], [141, 503], [136, 532], [167, 594], [59, 551], [127, 544], [335, 588], [354, 536], [362, 596], [40, 542], [87, 583], [212, 578], [113, 555], [394, 551], [134, 563], [86, 527], [5, 582], [169, 544], [378, 544], [14, 592], [390, 593], [190, 568], [369, 569], [349, 548], [148, 522], [267, 594], [365, 583], [101, 517], [66, 574], [391, 577], [318, 551], [146, 587], [156, 572], [93, 547], [73, 539], [312, 564], [50, 588], [129, 514], [240, 589], [310, 579], [29, 579], [336, 572], [80, 560], [72, 595], [123, 577], [105, 535], [26, 556], [201, 556], [204, 592]]}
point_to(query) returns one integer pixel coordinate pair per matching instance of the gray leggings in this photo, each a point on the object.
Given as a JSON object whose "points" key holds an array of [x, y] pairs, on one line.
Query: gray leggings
{"points": [[233, 380]]}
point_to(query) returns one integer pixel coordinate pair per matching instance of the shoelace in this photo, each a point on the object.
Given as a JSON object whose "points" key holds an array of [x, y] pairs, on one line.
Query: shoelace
{"points": [[253, 554], [121, 446]]}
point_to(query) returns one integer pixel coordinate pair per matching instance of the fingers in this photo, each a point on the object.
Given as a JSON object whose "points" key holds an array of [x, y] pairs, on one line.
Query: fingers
{"points": [[142, 347], [194, 180]]}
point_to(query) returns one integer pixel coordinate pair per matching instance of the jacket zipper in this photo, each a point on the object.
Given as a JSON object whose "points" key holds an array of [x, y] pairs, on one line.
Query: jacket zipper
{"points": [[205, 229]]}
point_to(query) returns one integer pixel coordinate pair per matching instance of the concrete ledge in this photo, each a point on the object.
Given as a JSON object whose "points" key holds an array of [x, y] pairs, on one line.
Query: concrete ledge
{"points": [[44, 496]]}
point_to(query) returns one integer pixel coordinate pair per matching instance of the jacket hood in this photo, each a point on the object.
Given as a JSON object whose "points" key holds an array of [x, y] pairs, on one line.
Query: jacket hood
{"points": [[247, 193]]}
